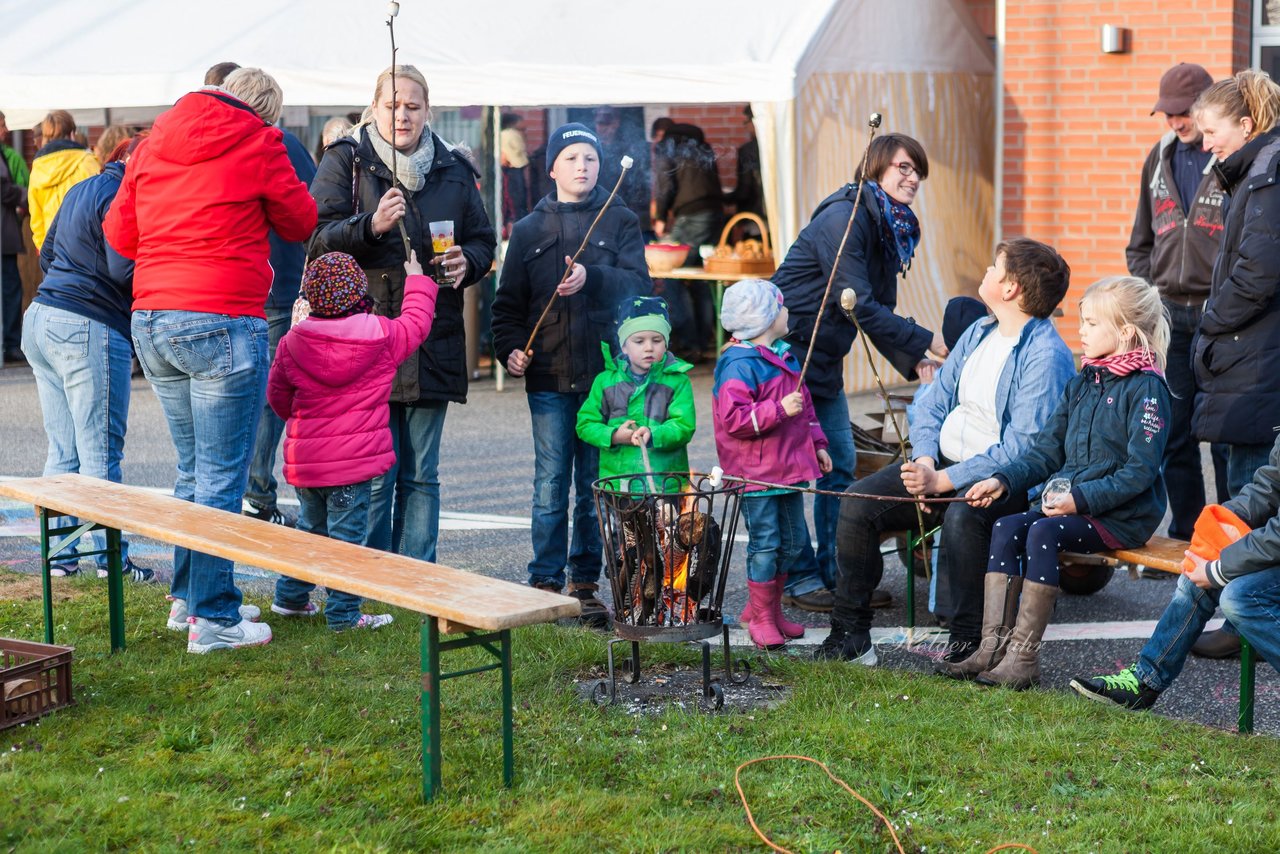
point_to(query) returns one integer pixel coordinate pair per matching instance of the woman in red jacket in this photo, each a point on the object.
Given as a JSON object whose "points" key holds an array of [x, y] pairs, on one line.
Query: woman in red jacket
{"points": [[193, 212]]}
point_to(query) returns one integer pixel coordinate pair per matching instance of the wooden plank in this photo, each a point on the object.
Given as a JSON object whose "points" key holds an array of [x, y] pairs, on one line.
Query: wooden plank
{"points": [[1159, 553], [460, 597]]}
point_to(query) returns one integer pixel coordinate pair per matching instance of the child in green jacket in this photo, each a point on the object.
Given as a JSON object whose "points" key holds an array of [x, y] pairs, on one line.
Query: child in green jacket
{"points": [[642, 398]]}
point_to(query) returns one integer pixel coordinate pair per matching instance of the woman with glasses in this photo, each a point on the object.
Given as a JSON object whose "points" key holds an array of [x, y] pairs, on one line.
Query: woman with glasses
{"points": [[881, 244]]}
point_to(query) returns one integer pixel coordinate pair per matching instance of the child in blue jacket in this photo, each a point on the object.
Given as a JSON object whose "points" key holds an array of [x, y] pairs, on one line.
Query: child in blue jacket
{"points": [[1107, 439]]}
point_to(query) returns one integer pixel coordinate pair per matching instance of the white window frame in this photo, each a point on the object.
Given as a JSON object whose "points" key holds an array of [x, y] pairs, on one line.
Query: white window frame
{"points": [[1268, 36]]}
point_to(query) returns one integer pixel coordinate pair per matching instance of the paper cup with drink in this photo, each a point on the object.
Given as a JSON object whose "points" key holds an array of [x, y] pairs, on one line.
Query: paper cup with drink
{"points": [[441, 241]]}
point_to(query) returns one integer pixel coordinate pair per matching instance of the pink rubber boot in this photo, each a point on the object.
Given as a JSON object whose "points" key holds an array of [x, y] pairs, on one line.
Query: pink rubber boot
{"points": [[788, 628], [764, 601]]}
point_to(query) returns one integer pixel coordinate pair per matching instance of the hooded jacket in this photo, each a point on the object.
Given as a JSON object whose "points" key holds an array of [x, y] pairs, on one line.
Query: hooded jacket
{"points": [[331, 382], [1238, 343], [196, 203], [82, 273], [566, 353], [350, 181], [1107, 436], [754, 436], [869, 265], [57, 167], [1169, 248], [663, 403]]}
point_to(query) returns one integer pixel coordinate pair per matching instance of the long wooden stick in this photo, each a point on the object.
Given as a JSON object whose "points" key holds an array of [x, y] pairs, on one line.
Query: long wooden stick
{"points": [[627, 162], [873, 122], [393, 9]]}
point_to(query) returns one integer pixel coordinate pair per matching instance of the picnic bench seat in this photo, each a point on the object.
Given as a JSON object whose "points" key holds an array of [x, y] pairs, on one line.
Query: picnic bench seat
{"points": [[481, 610], [1165, 554]]}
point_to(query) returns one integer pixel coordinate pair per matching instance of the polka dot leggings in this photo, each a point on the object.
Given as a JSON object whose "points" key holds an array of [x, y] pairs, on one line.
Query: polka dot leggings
{"points": [[1028, 544]]}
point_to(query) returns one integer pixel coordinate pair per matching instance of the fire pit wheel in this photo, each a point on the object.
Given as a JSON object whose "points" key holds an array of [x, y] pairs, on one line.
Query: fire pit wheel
{"points": [[601, 693], [713, 697], [741, 672]]}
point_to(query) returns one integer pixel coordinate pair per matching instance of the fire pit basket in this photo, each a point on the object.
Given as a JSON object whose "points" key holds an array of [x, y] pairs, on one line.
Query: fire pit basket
{"points": [[668, 544]]}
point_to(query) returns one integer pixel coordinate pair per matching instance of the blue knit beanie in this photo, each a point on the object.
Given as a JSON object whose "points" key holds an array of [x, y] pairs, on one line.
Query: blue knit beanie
{"points": [[567, 135]]}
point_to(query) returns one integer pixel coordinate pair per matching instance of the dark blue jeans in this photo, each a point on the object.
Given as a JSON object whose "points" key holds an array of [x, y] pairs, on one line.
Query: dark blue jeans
{"points": [[814, 572], [11, 301], [262, 482], [404, 510], [560, 458], [341, 513]]}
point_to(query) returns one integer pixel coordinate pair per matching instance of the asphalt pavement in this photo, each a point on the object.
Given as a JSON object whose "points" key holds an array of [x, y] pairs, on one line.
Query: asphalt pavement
{"points": [[486, 483]]}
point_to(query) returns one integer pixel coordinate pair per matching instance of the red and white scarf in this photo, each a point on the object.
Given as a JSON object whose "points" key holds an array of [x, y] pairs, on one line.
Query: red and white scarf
{"points": [[1123, 364]]}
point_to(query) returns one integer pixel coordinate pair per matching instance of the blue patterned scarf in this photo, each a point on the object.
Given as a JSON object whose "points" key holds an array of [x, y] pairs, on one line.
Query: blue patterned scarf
{"points": [[900, 226]]}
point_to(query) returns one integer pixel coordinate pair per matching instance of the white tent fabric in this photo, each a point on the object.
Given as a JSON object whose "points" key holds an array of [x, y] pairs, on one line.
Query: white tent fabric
{"points": [[780, 55]]}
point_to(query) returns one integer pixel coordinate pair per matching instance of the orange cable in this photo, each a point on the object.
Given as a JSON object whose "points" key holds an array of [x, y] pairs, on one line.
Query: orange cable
{"points": [[897, 844]]}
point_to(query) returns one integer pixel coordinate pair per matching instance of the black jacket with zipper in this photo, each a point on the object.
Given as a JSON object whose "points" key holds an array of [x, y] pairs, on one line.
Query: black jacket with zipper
{"points": [[350, 182], [566, 353], [1238, 346]]}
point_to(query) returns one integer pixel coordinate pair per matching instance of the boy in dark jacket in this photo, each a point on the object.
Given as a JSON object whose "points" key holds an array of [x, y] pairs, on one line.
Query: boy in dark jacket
{"points": [[565, 356]]}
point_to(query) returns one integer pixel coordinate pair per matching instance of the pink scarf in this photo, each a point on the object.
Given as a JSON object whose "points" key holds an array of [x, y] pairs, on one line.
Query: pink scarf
{"points": [[1123, 364]]}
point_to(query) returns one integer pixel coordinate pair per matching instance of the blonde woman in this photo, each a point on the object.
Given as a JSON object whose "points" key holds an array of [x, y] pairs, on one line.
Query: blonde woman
{"points": [[59, 165]]}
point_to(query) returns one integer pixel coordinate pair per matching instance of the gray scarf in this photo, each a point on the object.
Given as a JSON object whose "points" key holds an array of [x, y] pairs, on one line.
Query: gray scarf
{"points": [[410, 169]]}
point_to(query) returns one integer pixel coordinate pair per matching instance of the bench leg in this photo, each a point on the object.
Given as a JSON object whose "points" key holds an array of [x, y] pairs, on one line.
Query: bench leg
{"points": [[115, 590], [1248, 663], [46, 583], [508, 727], [430, 707], [913, 540]]}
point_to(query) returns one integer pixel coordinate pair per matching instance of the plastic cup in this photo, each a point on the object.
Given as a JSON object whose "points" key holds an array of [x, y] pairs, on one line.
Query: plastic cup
{"points": [[441, 241], [1054, 491]]}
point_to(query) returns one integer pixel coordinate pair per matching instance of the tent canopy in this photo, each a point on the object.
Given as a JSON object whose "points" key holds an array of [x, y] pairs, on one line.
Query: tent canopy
{"points": [[78, 54]]}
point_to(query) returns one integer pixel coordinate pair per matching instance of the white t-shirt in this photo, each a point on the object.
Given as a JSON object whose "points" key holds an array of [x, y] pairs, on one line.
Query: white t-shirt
{"points": [[972, 426]]}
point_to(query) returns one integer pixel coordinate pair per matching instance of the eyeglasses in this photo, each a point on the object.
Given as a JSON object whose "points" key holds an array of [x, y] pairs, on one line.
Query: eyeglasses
{"points": [[906, 169]]}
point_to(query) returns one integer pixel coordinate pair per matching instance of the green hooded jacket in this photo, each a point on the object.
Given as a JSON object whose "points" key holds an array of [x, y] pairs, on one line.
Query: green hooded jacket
{"points": [[663, 403]]}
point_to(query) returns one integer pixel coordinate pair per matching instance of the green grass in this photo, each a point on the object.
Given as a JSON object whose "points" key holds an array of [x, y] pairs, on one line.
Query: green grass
{"points": [[313, 743]]}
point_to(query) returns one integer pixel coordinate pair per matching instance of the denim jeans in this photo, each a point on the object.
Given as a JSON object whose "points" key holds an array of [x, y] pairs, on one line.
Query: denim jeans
{"points": [[814, 572], [775, 530], [262, 482], [209, 372], [966, 542], [1243, 461], [11, 300], [82, 377], [1252, 602], [560, 458], [404, 507], [1181, 464], [340, 513]]}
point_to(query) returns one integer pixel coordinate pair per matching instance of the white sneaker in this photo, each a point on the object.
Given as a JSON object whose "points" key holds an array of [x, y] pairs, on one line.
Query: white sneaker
{"points": [[205, 636], [178, 614], [371, 622], [310, 610]]}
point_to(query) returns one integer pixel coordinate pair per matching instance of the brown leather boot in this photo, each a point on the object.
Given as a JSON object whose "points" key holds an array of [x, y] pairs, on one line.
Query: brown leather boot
{"points": [[999, 606], [1021, 666]]}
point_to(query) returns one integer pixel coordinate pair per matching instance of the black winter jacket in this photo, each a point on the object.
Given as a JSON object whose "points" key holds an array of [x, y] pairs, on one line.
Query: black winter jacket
{"points": [[1238, 346], [566, 353], [350, 181], [869, 266], [82, 273], [1108, 436]]}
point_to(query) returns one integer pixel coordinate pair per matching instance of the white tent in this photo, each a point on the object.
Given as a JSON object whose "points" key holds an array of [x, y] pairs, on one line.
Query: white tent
{"points": [[811, 69]]}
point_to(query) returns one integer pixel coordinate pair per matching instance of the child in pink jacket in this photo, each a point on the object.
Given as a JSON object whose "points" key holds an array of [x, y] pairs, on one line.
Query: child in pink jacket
{"points": [[330, 382]]}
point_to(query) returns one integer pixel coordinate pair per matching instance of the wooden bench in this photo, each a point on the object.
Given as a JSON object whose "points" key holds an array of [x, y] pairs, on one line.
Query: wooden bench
{"points": [[1164, 554], [481, 610]]}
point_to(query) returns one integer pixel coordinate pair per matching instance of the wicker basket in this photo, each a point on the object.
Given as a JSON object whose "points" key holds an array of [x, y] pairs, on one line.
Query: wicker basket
{"points": [[719, 263], [35, 679]]}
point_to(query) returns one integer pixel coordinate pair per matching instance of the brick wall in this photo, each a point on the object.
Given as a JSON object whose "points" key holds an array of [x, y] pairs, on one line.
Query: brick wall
{"points": [[1076, 120], [725, 128]]}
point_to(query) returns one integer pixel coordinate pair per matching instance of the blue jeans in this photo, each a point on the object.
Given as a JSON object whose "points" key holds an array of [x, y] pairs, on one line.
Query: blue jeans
{"points": [[82, 376], [341, 513], [404, 508], [262, 482], [559, 459], [775, 531], [1242, 462], [11, 300], [209, 372], [814, 572], [1252, 602]]}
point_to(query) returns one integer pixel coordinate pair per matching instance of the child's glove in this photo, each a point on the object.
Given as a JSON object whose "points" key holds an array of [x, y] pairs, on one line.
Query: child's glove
{"points": [[1216, 528]]}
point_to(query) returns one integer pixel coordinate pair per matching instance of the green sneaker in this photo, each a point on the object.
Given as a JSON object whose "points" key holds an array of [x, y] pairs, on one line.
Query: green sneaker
{"points": [[1121, 688]]}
